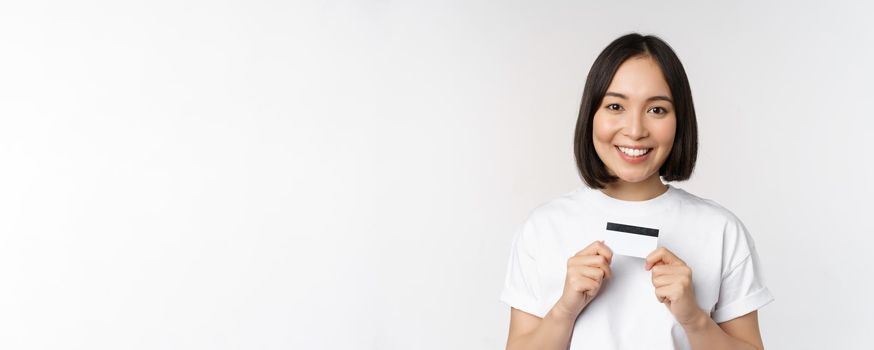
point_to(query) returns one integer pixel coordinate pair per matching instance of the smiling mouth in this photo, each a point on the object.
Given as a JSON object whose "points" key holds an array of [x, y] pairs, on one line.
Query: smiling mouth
{"points": [[633, 152]]}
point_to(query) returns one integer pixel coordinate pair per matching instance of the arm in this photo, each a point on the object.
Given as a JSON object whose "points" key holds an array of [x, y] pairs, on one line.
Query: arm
{"points": [[672, 280], [585, 272], [527, 331], [739, 333]]}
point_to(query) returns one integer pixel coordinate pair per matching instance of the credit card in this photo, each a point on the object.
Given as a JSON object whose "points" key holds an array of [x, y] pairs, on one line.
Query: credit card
{"points": [[629, 240]]}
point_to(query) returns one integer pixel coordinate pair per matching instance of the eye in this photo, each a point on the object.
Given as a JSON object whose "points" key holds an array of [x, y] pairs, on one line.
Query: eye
{"points": [[659, 110], [614, 107]]}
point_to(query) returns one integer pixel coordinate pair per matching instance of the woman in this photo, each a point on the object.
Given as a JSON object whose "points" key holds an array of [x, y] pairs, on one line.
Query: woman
{"points": [[700, 289]]}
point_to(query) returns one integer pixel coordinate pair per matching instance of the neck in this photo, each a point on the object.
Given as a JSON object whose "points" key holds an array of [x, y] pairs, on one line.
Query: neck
{"points": [[636, 191]]}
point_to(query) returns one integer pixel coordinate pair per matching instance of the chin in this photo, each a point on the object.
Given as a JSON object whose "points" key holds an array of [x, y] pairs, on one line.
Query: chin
{"points": [[633, 178]]}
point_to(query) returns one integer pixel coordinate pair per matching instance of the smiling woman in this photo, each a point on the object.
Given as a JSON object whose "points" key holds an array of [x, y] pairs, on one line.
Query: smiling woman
{"points": [[565, 287], [637, 86], [634, 127]]}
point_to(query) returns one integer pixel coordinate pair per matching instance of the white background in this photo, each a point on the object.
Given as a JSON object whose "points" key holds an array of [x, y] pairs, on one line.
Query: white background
{"points": [[348, 174]]}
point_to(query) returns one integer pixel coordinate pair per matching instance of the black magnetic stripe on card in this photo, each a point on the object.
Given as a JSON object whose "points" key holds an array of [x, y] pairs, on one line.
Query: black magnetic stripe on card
{"points": [[646, 231]]}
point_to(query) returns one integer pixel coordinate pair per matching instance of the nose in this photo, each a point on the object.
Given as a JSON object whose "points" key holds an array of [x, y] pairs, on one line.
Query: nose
{"points": [[634, 127]]}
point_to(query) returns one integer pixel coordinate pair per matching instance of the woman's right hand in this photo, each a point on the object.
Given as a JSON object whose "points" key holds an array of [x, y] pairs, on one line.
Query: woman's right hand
{"points": [[585, 272]]}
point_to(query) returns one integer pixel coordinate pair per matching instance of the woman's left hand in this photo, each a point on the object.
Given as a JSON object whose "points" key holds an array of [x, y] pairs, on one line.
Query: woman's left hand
{"points": [[672, 280]]}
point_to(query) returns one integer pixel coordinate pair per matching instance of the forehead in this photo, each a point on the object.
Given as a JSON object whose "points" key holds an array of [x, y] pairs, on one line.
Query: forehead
{"points": [[639, 78]]}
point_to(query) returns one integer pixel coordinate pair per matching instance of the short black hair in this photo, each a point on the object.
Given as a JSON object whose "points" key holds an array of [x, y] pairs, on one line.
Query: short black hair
{"points": [[680, 162]]}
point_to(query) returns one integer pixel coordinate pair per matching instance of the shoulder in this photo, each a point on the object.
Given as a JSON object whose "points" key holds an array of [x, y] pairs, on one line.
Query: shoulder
{"points": [[706, 208], [551, 213], [557, 207], [737, 242]]}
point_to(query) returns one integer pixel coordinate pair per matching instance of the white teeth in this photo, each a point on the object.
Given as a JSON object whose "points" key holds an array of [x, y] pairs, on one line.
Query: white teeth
{"points": [[634, 152]]}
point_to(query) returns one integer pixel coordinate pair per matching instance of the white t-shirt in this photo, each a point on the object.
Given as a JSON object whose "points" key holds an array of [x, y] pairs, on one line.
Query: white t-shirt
{"points": [[626, 314]]}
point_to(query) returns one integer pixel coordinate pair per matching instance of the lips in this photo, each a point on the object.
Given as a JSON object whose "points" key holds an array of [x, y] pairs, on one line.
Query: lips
{"points": [[631, 159], [633, 147]]}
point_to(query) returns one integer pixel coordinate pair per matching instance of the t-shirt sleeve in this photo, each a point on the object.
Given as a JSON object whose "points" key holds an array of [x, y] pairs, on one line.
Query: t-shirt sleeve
{"points": [[743, 288], [521, 285]]}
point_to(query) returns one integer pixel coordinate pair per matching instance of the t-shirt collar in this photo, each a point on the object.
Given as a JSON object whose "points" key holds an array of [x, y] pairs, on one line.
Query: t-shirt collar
{"points": [[649, 206]]}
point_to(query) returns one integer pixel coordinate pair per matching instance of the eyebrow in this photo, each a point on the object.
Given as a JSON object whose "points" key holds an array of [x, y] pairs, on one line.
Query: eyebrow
{"points": [[653, 98]]}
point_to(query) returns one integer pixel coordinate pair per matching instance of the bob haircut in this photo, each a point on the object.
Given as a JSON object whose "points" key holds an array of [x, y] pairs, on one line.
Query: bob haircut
{"points": [[680, 162]]}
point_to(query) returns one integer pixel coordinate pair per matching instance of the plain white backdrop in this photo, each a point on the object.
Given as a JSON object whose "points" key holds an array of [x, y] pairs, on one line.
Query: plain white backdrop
{"points": [[348, 174]]}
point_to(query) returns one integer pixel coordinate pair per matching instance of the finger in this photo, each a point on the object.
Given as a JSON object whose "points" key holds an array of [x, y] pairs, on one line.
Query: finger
{"points": [[662, 255], [659, 294], [681, 275], [659, 255], [664, 280], [664, 293], [584, 285], [606, 252], [597, 248], [663, 269], [657, 270], [593, 273], [598, 261]]}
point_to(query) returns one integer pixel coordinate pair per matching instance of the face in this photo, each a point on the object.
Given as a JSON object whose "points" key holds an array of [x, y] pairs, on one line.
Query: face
{"points": [[637, 114]]}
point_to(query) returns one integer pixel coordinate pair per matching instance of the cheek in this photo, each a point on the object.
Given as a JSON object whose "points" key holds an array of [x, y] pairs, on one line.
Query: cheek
{"points": [[601, 131], [664, 134]]}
